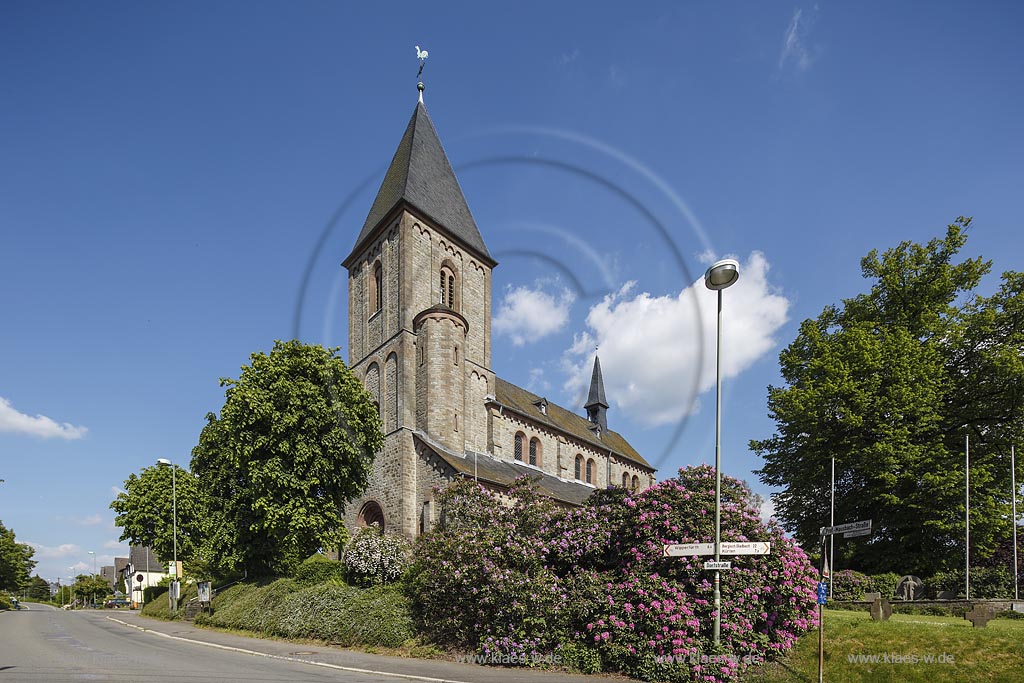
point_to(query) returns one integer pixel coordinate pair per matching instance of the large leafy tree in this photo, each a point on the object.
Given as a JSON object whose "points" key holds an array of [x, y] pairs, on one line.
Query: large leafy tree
{"points": [[292, 445], [145, 512], [890, 383], [16, 561]]}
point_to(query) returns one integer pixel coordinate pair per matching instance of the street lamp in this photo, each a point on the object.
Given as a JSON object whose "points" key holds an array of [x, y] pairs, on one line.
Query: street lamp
{"points": [[174, 515], [93, 553], [719, 276]]}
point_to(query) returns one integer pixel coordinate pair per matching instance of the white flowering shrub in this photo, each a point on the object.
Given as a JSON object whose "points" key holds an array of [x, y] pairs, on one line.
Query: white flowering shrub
{"points": [[374, 558]]}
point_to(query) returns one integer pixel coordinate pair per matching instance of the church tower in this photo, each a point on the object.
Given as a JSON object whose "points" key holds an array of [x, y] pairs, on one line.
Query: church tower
{"points": [[420, 321]]}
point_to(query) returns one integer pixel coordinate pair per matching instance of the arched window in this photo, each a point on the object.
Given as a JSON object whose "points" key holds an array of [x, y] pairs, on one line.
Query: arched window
{"points": [[519, 446], [636, 483], [535, 451], [590, 471], [370, 514], [378, 287], [625, 480], [579, 467], [447, 287]]}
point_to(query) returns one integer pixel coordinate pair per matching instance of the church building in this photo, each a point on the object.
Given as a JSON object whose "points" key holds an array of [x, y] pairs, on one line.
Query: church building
{"points": [[419, 336]]}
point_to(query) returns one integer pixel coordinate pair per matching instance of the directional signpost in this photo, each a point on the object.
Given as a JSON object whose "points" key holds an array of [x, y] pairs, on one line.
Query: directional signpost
{"points": [[849, 530], [746, 548], [683, 549]]}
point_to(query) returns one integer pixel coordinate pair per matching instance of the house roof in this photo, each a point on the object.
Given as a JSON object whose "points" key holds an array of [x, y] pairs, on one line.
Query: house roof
{"points": [[489, 469], [141, 557], [523, 402], [421, 177]]}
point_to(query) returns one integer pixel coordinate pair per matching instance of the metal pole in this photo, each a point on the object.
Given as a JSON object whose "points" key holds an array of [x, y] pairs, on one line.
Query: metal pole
{"points": [[832, 538], [718, 476], [967, 520], [1013, 498], [174, 516]]}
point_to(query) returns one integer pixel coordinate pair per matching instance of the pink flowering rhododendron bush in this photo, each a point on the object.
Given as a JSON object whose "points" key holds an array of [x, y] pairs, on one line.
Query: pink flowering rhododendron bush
{"points": [[526, 581]]}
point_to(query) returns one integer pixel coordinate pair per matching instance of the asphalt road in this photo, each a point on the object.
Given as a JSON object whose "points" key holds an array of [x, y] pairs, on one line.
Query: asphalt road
{"points": [[41, 644]]}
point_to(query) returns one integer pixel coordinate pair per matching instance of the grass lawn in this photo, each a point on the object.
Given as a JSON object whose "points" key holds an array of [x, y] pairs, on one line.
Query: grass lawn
{"points": [[959, 651]]}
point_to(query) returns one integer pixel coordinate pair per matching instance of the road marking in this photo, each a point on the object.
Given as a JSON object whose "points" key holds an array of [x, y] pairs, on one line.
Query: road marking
{"points": [[408, 677]]}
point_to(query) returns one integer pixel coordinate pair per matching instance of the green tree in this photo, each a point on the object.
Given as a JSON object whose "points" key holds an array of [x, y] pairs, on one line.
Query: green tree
{"points": [[38, 588], [16, 561], [90, 588], [294, 442], [889, 384], [145, 512]]}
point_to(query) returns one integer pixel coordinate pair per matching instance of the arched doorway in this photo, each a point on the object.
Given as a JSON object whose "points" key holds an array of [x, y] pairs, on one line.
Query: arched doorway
{"points": [[371, 513]]}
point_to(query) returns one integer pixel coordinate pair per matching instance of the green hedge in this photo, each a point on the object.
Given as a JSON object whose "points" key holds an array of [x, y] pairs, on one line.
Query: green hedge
{"points": [[159, 606], [5, 602], [319, 569], [337, 613]]}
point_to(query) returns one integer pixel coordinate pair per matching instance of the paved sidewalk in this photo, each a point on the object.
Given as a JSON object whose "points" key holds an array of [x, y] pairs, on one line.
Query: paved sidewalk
{"points": [[387, 668]]}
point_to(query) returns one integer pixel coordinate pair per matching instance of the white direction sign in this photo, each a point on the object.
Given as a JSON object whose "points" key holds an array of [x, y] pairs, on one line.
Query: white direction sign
{"points": [[746, 548], [681, 549], [711, 564], [863, 525], [860, 532]]}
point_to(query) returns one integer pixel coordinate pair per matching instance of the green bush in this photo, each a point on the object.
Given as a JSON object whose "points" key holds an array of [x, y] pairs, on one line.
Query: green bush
{"points": [[346, 615], [851, 585], [883, 583], [5, 603], [250, 607], [373, 558], [580, 658], [160, 606], [338, 613], [986, 582], [319, 569]]}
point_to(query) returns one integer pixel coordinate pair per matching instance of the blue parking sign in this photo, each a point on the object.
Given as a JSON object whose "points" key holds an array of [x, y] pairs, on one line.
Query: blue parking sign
{"points": [[822, 592]]}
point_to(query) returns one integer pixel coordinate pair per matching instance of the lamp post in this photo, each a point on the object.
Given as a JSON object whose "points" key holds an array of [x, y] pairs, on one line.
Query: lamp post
{"points": [[174, 516], [719, 276]]}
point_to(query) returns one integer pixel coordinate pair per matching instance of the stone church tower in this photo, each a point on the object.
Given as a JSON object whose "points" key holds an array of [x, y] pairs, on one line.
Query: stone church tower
{"points": [[420, 337]]}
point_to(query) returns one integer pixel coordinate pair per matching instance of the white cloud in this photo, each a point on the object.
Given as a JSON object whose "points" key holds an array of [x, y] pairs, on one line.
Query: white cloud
{"points": [[570, 57], [46, 552], [91, 520], [537, 383], [116, 545], [658, 352], [19, 423], [526, 315], [117, 490], [767, 509], [793, 47]]}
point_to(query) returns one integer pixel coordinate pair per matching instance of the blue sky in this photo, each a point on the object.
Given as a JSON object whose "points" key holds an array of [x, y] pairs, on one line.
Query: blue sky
{"points": [[171, 174]]}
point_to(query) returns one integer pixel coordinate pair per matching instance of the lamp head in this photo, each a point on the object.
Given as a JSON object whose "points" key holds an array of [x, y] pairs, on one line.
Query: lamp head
{"points": [[163, 461], [722, 274]]}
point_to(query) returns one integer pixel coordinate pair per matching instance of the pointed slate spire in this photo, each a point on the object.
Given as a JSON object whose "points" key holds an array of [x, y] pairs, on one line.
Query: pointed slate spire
{"points": [[597, 404], [421, 177]]}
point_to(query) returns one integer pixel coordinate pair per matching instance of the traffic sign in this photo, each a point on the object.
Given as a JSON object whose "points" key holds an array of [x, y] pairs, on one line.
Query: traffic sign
{"points": [[681, 549], [711, 564], [864, 524], [746, 548], [854, 534]]}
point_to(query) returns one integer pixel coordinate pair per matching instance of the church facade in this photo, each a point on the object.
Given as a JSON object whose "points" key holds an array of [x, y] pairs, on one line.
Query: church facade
{"points": [[419, 302]]}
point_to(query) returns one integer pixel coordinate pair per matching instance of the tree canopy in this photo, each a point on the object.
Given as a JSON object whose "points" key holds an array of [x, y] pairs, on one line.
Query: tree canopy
{"points": [[16, 561], [294, 442], [890, 383], [145, 512]]}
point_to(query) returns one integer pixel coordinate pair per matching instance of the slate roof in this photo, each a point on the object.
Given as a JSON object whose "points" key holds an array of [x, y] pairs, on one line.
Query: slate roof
{"points": [[523, 402], [421, 176], [137, 557], [489, 469], [596, 396]]}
